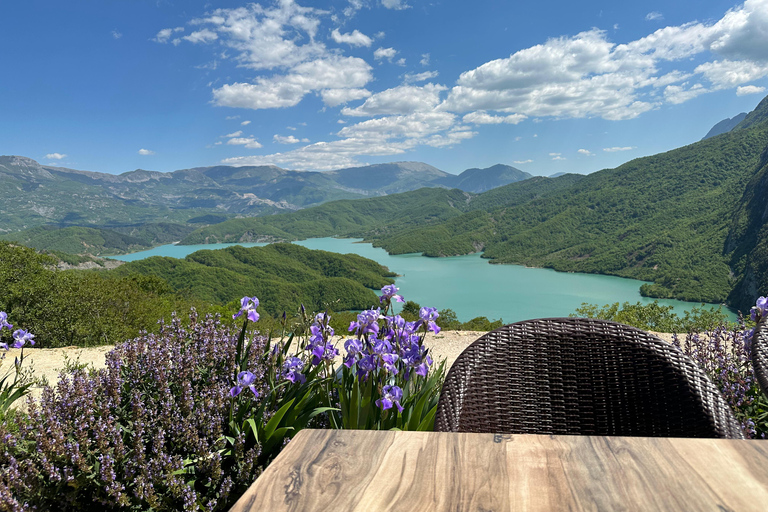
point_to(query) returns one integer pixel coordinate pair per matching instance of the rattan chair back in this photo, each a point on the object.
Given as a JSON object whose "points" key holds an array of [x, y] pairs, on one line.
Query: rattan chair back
{"points": [[760, 354], [580, 376]]}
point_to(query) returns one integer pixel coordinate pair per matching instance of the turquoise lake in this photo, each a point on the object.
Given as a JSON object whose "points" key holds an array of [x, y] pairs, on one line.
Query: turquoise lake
{"points": [[471, 286]]}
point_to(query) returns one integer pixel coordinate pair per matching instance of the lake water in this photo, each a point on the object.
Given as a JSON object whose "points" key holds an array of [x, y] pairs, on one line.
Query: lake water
{"points": [[471, 286]]}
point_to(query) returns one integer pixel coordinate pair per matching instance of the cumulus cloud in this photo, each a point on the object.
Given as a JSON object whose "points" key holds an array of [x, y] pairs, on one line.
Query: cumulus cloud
{"points": [[146, 152], [290, 139], [587, 75], [355, 38], [333, 72], [384, 53], [336, 97], [518, 162], [248, 142], [404, 99], [233, 134], [558, 157], [395, 4], [164, 35], [55, 156], [749, 89], [617, 148], [483, 117], [411, 78], [245, 123], [424, 59], [201, 36], [585, 152]]}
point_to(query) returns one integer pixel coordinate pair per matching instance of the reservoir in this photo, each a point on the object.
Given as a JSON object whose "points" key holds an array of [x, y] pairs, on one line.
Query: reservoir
{"points": [[471, 286]]}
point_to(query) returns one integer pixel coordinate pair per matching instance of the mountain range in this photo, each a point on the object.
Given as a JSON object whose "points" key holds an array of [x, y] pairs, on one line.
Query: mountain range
{"points": [[692, 221], [35, 194]]}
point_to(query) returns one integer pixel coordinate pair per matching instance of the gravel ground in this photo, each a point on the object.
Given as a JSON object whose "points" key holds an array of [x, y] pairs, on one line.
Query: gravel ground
{"points": [[47, 363]]}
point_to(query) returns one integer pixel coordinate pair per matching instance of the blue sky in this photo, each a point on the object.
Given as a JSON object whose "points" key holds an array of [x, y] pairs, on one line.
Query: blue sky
{"points": [[547, 87]]}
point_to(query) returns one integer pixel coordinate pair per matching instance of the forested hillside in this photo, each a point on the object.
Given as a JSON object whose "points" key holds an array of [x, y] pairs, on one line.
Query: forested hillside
{"points": [[691, 220]]}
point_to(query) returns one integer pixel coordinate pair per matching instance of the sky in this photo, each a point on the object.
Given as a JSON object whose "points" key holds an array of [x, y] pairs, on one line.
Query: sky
{"points": [[547, 87]]}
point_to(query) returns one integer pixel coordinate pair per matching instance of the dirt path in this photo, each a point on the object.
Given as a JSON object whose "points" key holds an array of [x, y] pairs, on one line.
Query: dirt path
{"points": [[47, 363]]}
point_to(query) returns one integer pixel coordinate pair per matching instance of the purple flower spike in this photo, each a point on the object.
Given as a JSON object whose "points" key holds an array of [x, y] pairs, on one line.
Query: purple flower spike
{"points": [[390, 395], [244, 380], [292, 370], [389, 292], [21, 337], [248, 306]]}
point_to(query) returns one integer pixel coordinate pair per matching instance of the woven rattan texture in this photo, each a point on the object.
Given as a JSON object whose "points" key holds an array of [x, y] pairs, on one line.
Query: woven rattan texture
{"points": [[580, 376], [760, 354]]}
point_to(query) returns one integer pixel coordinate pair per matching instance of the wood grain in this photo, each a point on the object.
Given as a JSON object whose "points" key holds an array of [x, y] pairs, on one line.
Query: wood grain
{"points": [[348, 470]]}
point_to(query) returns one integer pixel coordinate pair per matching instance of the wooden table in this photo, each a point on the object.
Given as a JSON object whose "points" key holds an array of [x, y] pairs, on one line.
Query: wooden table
{"points": [[345, 470]]}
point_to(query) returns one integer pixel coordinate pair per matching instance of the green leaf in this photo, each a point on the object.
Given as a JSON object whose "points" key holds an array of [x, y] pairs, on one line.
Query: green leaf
{"points": [[269, 429], [428, 423]]}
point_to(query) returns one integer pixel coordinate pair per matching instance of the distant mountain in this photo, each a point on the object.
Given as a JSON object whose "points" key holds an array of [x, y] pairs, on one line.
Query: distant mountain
{"points": [[725, 125], [34, 194], [481, 180]]}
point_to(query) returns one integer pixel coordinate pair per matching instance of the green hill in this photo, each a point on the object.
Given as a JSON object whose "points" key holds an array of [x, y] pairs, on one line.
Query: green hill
{"points": [[282, 276]]}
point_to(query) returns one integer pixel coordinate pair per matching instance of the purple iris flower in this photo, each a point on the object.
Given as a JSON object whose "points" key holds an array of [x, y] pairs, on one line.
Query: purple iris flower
{"points": [[353, 347], [324, 352], [248, 306], [292, 370], [21, 337], [381, 346], [322, 318], [366, 365], [388, 362], [429, 315], [760, 309], [367, 322], [390, 395], [244, 380], [389, 292], [4, 320]]}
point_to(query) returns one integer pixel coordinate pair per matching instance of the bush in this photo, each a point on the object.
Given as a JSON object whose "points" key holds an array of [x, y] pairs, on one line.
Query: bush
{"points": [[655, 317], [125, 438]]}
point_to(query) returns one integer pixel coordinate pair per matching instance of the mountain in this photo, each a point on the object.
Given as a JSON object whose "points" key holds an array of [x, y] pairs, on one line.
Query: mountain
{"points": [[482, 180], [692, 221], [725, 125], [34, 194]]}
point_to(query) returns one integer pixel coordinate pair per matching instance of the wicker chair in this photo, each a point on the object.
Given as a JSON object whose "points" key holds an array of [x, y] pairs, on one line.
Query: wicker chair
{"points": [[580, 376], [760, 354]]}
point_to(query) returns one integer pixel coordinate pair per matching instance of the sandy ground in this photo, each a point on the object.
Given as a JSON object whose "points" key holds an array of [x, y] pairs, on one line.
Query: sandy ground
{"points": [[47, 363]]}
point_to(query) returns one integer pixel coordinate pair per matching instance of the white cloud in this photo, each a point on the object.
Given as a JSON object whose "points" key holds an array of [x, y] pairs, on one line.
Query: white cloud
{"points": [[55, 156], [288, 140], [410, 78], [355, 38], [404, 99], [555, 154], [334, 72], [384, 53], [655, 15], [679, 94], [201, 36], [248, 142], [233, 134], [585, 152], [336, 97], [587, 75], [749, 89], [230, 118], [146, 152], [483, 117], [116, 34], [558, 157], [424, 59], [395, 4], [616, 148], [245, 123], [164, 35], [518, 162]]}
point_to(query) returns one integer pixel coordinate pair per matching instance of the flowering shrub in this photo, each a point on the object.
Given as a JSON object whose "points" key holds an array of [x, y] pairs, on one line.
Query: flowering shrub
{"points": [[186, 419], [127, 437], [725, 355]]}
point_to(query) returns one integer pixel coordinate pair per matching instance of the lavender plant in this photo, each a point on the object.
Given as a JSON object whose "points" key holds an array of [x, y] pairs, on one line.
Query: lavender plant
{"points": [[145, 433], [725, 355]]}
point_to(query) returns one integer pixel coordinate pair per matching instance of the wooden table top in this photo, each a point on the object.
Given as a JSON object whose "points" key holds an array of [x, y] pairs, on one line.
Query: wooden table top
{"points": [[352, 470]]}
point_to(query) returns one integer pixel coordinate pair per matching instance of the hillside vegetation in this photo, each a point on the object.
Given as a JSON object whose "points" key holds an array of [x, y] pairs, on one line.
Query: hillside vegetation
{"points": [[691, 220], [282, 276]]}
